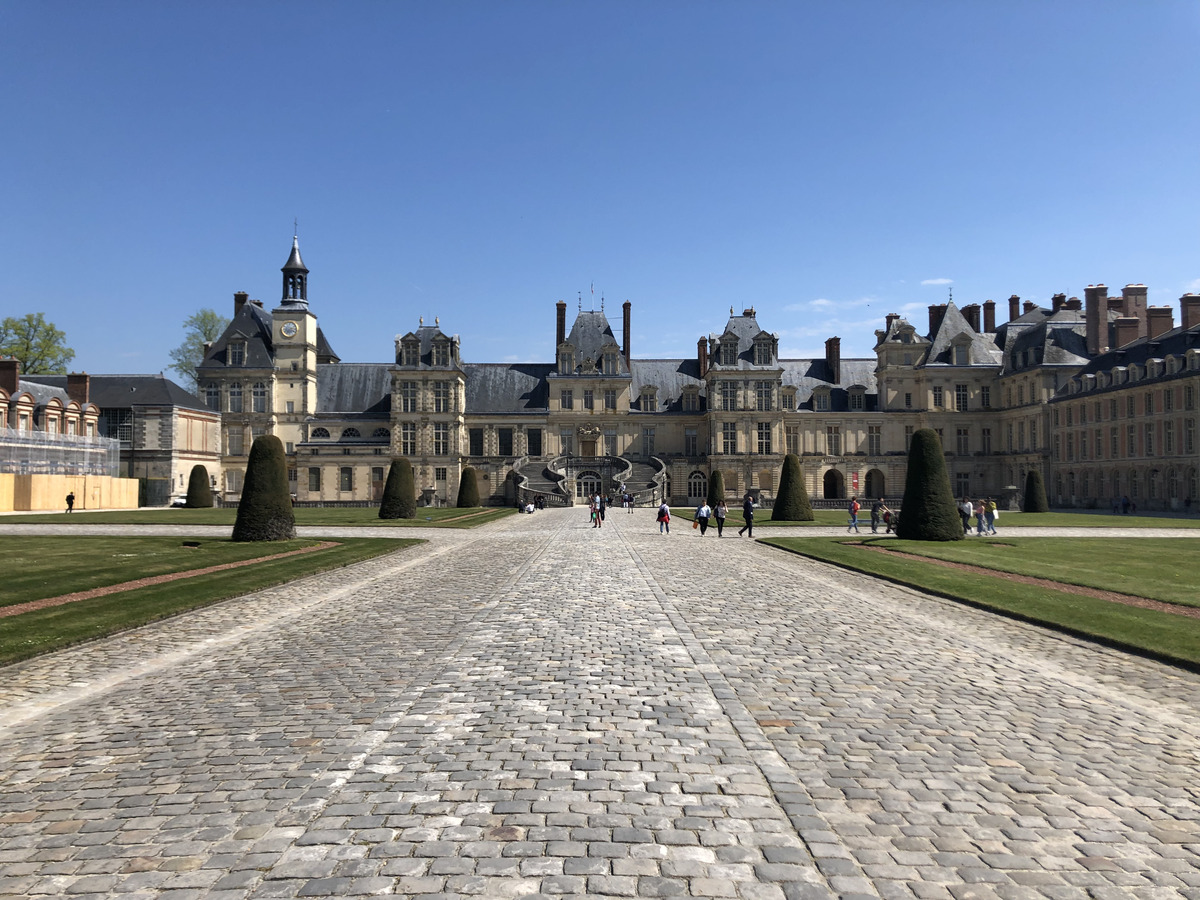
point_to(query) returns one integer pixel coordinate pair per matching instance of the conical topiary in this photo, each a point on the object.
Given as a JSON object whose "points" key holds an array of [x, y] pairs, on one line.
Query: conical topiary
{"points": [[928, 511], [468, 489], [791, 503], [511, 487], [399, 499], [265, 508], [1035, 493], [199, 493], [716, 488]]}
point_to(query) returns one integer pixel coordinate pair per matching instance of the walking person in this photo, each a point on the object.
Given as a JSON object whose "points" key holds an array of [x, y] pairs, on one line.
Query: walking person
{"points": [[964, 511], [853, 508], [719, 514], [748, 515], [876, 513], [71, 501], [990, 513], [703, 512], [601, 502], [980, 514], [664, 518]]}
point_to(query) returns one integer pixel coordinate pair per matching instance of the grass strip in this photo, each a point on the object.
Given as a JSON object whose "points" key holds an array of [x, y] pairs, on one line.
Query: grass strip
{"points": [[1158, 635], [45, 630], [439, 517]]}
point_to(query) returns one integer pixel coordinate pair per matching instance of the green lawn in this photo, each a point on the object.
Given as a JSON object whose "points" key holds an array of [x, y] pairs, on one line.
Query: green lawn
{"points": [[365, 516], [49, 566], [829, 518], [1158, 568]]}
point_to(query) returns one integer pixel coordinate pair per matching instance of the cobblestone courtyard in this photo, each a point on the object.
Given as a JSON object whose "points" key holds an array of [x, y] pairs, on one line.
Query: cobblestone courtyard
{"points": [[542, 709]]}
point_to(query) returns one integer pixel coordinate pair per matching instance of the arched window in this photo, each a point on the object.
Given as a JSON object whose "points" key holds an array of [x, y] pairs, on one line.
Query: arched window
{"points": [[259, 396], [350, 433], [235, 397], [320, 433], [697, 486], [382, 433]]}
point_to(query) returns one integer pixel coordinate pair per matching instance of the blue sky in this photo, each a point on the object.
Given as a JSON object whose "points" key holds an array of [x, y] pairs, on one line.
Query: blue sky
{"points": [[826, 163]]}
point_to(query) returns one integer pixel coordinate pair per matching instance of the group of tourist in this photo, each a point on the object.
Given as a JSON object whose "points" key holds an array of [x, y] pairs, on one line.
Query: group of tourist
{"points": [[706, 515], [879, 513], [985, 513]]}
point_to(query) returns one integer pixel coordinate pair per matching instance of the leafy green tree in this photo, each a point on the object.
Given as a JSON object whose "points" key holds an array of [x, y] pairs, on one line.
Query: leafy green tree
{"points": [[199, 492], [928, 511], [200, 328], [1035, 493], [399, 499], [716, 488], [265, 508], [39, 346], [791, 503], [468, 489]]}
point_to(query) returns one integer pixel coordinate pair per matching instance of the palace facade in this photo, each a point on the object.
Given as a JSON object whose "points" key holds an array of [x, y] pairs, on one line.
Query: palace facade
{"points": [[1046, 389]]}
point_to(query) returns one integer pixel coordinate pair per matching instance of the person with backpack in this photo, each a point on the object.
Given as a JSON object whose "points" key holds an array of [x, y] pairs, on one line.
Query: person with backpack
{"points": [[853, 508], [664, 518]]}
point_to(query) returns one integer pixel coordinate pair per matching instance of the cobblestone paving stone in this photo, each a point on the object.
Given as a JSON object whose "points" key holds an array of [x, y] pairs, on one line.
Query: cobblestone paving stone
{"points": [[542, 709]]}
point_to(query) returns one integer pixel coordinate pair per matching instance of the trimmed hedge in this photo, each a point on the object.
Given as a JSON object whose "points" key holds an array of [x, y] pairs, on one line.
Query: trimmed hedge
{"points": [[199, 492], [399, 499], [265, 508], [1035, 493], [716, 488], [928, 511], [468, 489], [791, 503]]}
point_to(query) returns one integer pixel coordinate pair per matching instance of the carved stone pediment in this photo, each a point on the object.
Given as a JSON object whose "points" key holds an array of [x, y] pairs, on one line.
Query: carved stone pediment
{"points": [[589, 430]]}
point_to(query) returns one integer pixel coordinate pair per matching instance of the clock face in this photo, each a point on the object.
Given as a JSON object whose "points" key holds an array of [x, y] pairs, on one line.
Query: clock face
{"points": [[288, 329]]}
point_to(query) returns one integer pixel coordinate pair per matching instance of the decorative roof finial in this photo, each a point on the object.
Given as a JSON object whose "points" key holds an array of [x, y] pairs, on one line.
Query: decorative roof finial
{"points": [[731, 309], [420, 320], [437, 320]]}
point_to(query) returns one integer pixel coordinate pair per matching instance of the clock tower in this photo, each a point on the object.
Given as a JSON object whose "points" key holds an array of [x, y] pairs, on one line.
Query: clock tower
{"points": [[294, 334]]}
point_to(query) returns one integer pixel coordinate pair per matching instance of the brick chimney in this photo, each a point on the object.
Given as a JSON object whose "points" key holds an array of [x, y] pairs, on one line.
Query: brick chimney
{"points": [[1028, 307], [10, 375], [1057, 302], [936, 313], [1095, 314], [1126, 330], [560, 323], [833, 358], [625, 308], [240, 299], [79, 387], [1014, 307], [1133, 304], [1189, 310], [971, 314], [989, 316], [891, 317], [1073, 303], [1159, 320], [702, 355]]}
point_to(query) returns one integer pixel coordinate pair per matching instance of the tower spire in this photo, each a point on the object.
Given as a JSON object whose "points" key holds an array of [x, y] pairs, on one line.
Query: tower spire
{"points": [[295, 276]]}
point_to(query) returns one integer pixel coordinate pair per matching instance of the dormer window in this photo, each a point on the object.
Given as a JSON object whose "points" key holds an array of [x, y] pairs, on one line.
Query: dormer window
{"points": [[858, 398], [320, 434], [762, 352], [729, 353], [411, 354], [610, 362], [648, 398], [788, 397], [962, 354], [237, 354], [821, 400], [566, 362], [441, 353], [691, 400]]}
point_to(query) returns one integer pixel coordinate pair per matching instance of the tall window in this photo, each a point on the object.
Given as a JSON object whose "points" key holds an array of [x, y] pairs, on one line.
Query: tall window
{"points": [[762, 353], [314, 479], [762, 395], [534, 440], [441, 438], [212, 396], [610, 363], [985, 396], [441, 396], [764, 437], [504, 437], [1168, 399], [567, 400], [960, 397], [412, 354], [962, 484], [649, 401], [908, 433], [1130, 442], [729, 441], [792, 439], [833, 440], [566, 440], [441, 354], [821, 401], [647, 442], [963, 441], [237, 354], [939, 398], [236, 441], [566, 362], [985, 440], [1114, 443], [346, 479], [788, 399], [235, 397], [729, 353], [589, 399], [691, 442], [610, 442], [408, 396], [1149, 438], [408, 439], [258, 395], [610, 399], [475, 441], [874, 440], [1189, 435], [728, 395], [1033, 441]]}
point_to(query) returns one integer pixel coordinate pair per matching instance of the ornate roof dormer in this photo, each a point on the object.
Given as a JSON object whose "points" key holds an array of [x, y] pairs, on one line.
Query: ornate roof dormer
{"points": [[295, 277]]}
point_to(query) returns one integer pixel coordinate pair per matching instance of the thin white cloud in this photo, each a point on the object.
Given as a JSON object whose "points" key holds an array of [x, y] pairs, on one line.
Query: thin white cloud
{"points": [[938, 281]]}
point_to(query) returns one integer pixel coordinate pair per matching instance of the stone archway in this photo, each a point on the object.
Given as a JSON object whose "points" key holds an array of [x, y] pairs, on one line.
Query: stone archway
{"points": [[876, 485], [833, 485], [587, 484]]}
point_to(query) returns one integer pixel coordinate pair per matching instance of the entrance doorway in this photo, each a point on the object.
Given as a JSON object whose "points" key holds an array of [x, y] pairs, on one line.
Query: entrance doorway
{"points": [[587, 484], [833, 485]]}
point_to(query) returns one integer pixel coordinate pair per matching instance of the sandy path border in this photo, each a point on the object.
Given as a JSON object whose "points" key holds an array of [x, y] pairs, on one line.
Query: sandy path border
{"points": [[62, 599]]}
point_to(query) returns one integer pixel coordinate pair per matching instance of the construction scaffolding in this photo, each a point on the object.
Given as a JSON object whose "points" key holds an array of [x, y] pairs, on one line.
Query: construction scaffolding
{"points": [[47, 453]]}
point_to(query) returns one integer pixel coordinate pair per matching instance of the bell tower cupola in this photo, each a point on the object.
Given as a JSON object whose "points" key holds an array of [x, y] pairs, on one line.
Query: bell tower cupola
{"points": [[295, 278]]}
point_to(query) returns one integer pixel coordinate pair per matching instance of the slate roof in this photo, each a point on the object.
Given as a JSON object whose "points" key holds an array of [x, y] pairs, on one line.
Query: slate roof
{"points": [[125, 391], [590, 335], [42, 391], [354, 389], [251, 324], [325, 352], [953, 324], [669, 377], [745, 329], [1055, 339], [1175, 342], [507, 388], [426, 335]]}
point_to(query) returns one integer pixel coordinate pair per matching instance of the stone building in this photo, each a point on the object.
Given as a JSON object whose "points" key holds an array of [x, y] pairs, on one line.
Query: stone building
{"points": [[597, 417]]}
